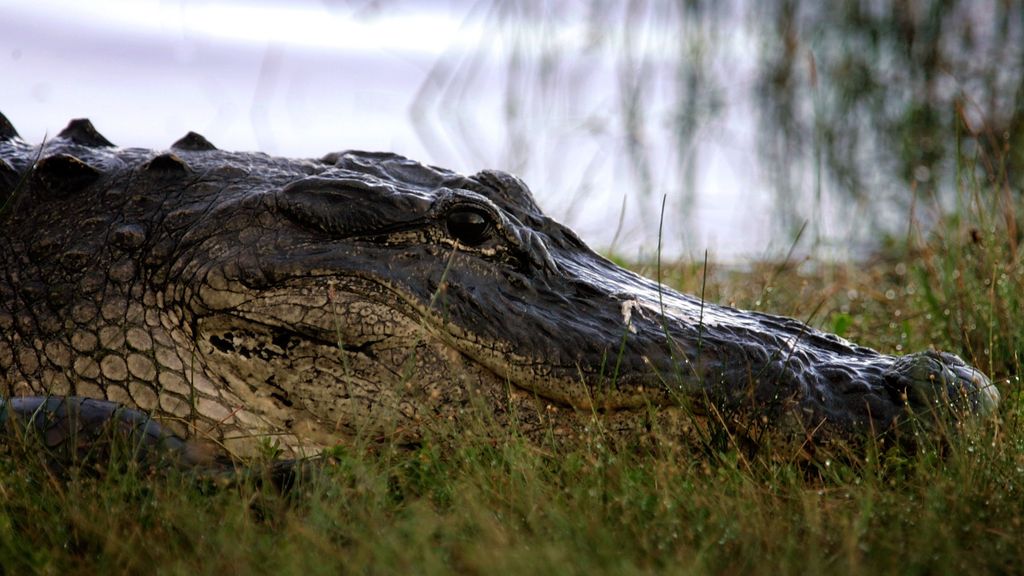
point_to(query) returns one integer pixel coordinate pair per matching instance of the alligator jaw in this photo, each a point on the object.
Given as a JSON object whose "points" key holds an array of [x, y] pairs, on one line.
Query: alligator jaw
{"points": [[241, 294]]}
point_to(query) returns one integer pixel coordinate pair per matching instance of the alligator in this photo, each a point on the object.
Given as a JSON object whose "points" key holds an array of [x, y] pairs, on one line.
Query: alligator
{"points": [[238, 297]]}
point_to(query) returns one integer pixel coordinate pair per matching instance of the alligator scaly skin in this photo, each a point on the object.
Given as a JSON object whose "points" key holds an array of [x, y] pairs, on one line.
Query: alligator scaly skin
{"points": [[237, 295]]}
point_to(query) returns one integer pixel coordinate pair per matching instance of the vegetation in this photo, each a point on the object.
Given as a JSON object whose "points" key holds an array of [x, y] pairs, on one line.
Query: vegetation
{"points": [[843, 112], [474, 504], [485, 500]]}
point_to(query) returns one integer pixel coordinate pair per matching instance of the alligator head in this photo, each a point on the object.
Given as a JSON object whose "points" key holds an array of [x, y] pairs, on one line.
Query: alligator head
{"points": [[240, 294]]}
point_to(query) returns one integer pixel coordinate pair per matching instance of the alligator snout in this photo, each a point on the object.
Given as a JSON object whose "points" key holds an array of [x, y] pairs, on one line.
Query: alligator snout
{"points": [[310, 299], [759, 365], [939, 384]]}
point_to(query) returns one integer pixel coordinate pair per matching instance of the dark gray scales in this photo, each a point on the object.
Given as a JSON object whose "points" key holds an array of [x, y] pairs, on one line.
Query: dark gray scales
{"points": [[237, 296]]}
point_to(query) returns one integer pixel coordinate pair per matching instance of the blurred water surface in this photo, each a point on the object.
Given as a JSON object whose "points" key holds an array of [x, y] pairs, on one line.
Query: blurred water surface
{"points": [[756, 122]]}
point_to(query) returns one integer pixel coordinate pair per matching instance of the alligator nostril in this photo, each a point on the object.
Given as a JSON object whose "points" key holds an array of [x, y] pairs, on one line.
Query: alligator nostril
{"points": [[938, 381]]}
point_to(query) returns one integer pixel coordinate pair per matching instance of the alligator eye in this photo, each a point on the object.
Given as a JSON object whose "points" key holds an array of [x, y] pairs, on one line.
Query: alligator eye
{"points": [[469, 226]]}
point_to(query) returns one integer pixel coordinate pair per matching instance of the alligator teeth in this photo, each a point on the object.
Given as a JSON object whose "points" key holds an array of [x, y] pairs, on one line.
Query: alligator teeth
{"points": [[193, 142], [81, 131]]}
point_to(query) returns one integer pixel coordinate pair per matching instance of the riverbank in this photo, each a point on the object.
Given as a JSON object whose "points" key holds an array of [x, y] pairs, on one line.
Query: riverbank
{"points": [[494, 502]]}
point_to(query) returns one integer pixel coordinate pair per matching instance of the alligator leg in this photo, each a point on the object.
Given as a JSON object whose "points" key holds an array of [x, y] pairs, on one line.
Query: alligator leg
{"points": [[73, 429]]}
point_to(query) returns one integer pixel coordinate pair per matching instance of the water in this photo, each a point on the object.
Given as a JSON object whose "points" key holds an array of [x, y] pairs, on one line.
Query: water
{"points": [[603, 108]]}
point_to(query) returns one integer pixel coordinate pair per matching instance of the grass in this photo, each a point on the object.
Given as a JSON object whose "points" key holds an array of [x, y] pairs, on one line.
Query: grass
{"points": [[513, 507], [474, 504]]}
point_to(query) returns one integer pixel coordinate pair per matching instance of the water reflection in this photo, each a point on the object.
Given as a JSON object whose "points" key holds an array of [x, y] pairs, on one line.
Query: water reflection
{"points": [[754, 119]]}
